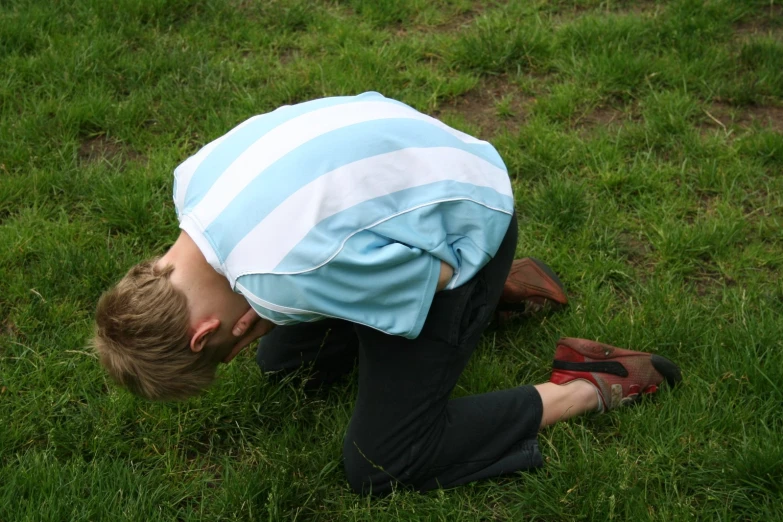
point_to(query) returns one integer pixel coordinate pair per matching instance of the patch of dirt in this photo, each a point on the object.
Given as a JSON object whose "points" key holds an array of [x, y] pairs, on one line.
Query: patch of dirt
{"points": [[493, 105], [454, 24], [99, 148], [707, 206], [460, 21], [7, 327], [710, 283], [564, 15], [634, 248], [286, 56], [766, 23], [725, 116], [600, 117]]}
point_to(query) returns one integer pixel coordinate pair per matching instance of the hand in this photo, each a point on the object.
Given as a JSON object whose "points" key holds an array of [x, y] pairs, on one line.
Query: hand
{"points": [[247, 329], [245, 322]]}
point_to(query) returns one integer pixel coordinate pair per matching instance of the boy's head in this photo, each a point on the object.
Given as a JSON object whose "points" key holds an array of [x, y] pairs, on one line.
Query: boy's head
{"points": [[143, 336]]}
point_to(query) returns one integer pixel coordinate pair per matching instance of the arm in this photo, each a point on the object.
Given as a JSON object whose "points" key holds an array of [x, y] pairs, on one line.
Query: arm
{"points": [[372, 281], [446, 273], [250, 321]]}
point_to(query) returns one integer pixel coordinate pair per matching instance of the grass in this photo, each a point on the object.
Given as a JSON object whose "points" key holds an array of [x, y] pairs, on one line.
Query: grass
{"points": [[645, 143]]}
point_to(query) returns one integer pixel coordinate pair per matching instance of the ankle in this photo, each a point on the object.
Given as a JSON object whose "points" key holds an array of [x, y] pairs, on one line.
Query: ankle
{"points": [[587, 394], [563, 401]]}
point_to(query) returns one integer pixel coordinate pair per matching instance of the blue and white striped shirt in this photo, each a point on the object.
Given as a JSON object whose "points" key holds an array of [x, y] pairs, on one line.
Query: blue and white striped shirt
{"points": [[344, 207]]}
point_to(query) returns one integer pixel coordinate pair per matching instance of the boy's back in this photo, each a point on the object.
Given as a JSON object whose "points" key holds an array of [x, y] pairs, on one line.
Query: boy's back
{"points": [[343, 207]]}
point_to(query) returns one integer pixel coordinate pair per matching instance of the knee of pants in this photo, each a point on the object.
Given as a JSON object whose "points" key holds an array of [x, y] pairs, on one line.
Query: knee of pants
{"points": [[373, 470], [365, 477]]}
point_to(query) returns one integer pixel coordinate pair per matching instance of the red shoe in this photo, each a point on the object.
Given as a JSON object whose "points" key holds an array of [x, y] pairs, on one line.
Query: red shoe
{"points": [[530, 287], [621, 376]]}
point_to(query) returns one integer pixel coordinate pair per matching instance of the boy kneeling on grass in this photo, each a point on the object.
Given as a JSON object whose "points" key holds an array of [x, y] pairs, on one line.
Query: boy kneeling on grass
{"points": [[361, 228]]}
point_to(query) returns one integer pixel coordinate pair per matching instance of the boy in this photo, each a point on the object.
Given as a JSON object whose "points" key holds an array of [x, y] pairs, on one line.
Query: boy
{"points": [[360, 227]]}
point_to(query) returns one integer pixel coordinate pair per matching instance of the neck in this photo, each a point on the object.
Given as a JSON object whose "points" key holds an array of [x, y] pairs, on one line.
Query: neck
{"points": [[209, 293]]}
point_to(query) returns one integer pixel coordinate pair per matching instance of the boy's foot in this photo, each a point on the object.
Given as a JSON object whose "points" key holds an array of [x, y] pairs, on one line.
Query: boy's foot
{"points": [[620, 376], [531, 286]]}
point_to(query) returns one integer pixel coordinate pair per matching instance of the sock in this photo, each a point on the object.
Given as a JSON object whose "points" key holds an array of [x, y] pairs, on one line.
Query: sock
{"points": [[600, 408]]}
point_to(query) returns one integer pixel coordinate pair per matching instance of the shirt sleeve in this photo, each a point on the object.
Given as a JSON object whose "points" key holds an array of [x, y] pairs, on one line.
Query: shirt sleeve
{"points": [[371, 281]]}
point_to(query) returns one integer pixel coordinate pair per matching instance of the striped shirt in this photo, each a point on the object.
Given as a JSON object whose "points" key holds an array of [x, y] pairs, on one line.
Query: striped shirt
{"points": [[344, 207]]}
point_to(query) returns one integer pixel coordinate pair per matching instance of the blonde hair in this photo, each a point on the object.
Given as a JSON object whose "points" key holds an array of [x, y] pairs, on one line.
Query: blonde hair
{"points": [[142, 336]]}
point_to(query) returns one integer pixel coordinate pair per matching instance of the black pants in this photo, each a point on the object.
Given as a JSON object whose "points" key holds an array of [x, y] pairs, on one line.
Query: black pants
{"points": [[404, 428]]}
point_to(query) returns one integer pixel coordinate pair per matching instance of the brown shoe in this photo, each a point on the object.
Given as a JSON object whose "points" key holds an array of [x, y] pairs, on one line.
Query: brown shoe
{"points": [[621, 376], [531, 286]]}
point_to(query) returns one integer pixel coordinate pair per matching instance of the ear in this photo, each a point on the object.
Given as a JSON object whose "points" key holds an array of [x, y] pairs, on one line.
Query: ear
{"points": [[203, 333]]}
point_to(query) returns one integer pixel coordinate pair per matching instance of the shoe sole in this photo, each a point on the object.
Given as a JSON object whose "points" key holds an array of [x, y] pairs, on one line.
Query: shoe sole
{"points": [[549, 303], [670, 371], [548, 271]]}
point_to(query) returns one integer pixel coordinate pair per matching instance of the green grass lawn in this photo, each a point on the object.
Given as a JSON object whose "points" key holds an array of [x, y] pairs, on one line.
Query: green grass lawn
{"points": [[645, 144]]}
